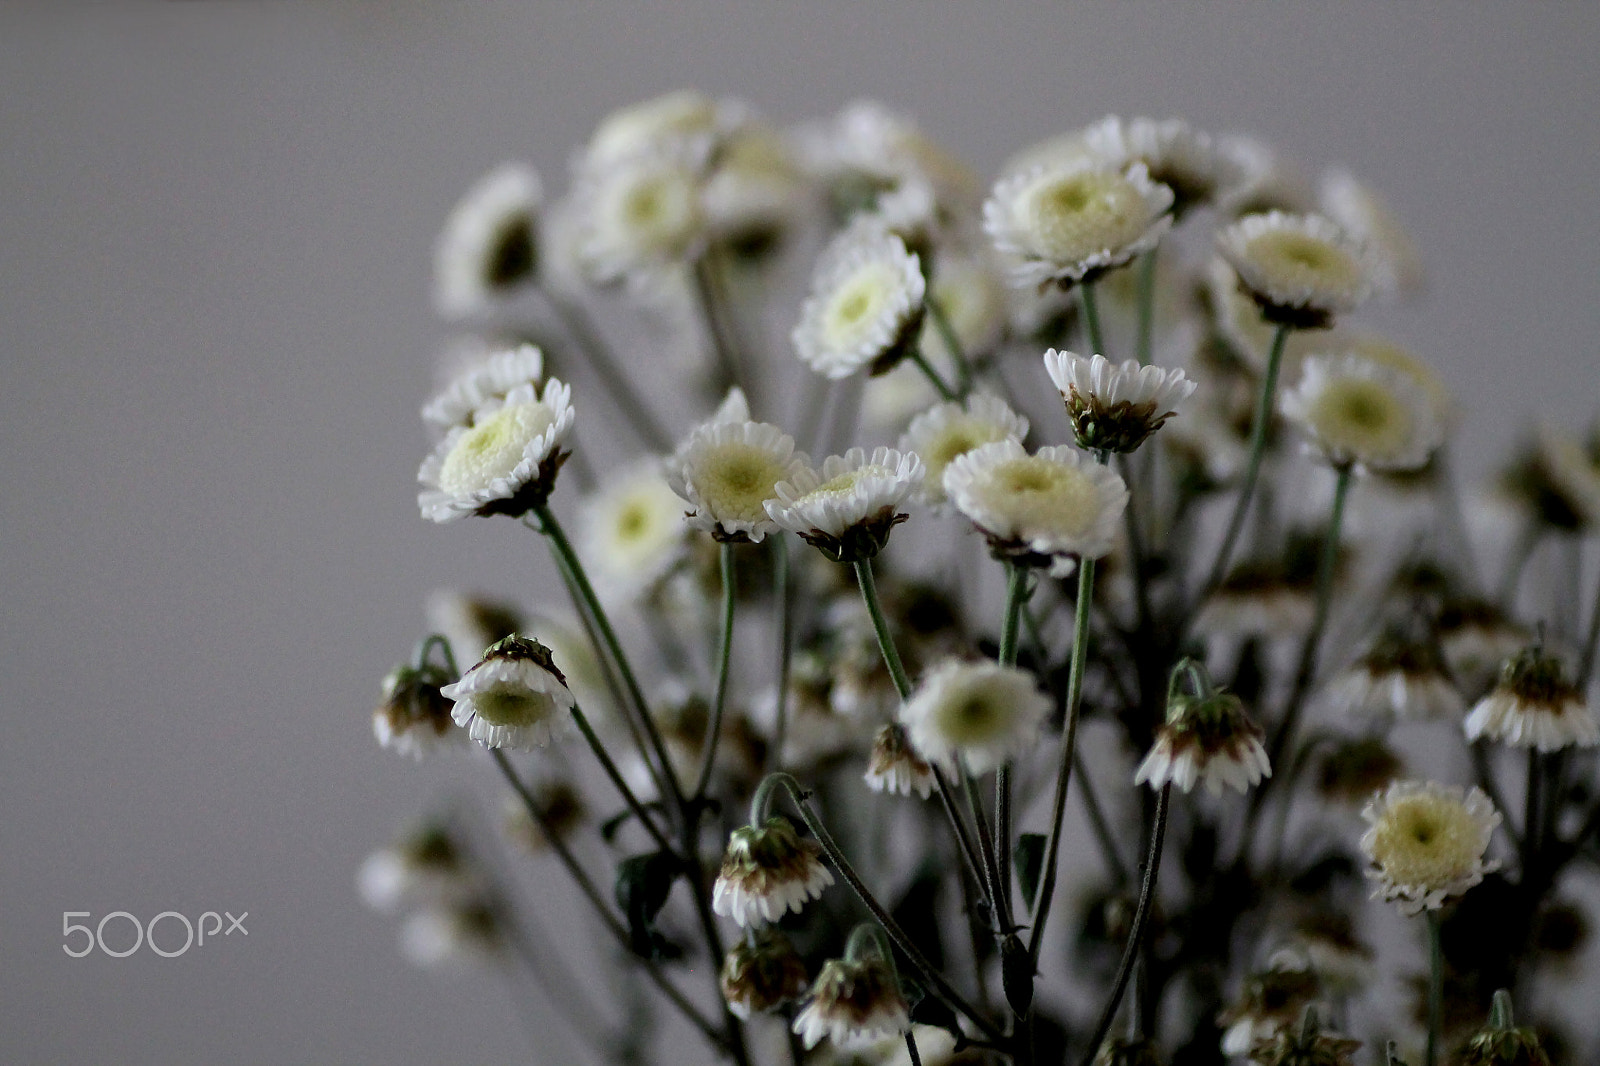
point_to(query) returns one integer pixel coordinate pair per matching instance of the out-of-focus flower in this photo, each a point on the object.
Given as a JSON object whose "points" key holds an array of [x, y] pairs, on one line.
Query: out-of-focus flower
{"points": [[1397, 265], [1301, 270], [762, 974], [633, 532], [894, 767], [865, 306], [1174, 153], [489, 247], [1534, 705], [979, 715], [1396, 677], [427, 866], [414, 717], [485, 384], [1358, 412], [942, 433], [855, 1004]]}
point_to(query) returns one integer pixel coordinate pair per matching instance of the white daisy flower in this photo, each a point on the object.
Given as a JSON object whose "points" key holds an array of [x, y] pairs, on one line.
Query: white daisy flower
{"points": [[768, 871], [467, 934], [632, 532], [762, 974], [867, 152], [426, 867], [667, 122], [1426, 842], [970, 293], [414, 717], [514, 698], [756, 191], [980, 715], [855, 1003], [639, 216], [1043, 509], [485, 383], [1300, 269], [1249, 336], [1534, 706], [1115, 407], [1070, 223], [488, 248], [1395, 678], [894, 767], [865, 305], [1397, 265], [727, 471], [848, 507], [1355, 411], [1263, 180], [504, 463], [942, 433], [1206, 738], [1174, 153]]}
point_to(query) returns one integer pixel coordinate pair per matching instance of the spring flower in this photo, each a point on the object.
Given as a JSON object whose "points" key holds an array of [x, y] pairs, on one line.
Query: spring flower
{"points": [[1068, 223], [640, 215], [427, 866], [414, 717], [1115, 407], [1359, 412], [671, 120], [767, 871], [865, 306], [762, 974], [1173, 152], [755, 192], [855, 1004], [848, 508], [633, 532], [514, 698], [1300, 269], [942, 433], [978, 714], [465, 934], [488, 248], [727, 471], [1426, 842], [894, 767], [1534, 706], [1395, 677], [1209, 738], [504, 463], [1043, 509], [1396, 263], [485, 385], [868, 153]]}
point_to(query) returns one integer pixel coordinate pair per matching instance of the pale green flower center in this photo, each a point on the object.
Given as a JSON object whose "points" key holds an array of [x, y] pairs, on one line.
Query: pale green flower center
{"points": [[736, 480], [845, 483], [657, 212], [1072, 216], [1290, 259], [953, 443], [1036, 493], [856, 305], [1426, 840], [492, 449], [512, 706], [1360, 416], [968, 717]]}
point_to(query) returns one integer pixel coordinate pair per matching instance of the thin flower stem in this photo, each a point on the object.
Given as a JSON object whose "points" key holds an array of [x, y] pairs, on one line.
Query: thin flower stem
{"points": [[724, 660], [1252, 470], [1069, 742], [562, 547], [1016, 594], [1147, 299], [619, 782], [1091, 318], [945, 391], [705, 291], [937, 984], [952, 341], [575, 321], [425, 649], [911, 1049], [784, 595], [1591, 644], [999, 895], [590, 892], [1141, 915], [1435, 988]]}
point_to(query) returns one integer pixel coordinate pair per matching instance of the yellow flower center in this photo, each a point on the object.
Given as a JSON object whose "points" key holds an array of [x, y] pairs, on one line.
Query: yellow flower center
{"points": [[1426, 840], [846, 482], [1072, 216], [971, 718], [1290, 259], [1361, 417], [1037, 493], [857, 305], [657, 211], [492, 449], [737, 479], [512, 706]]}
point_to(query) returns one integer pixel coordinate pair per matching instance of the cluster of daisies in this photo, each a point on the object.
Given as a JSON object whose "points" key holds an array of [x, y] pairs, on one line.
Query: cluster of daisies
{"points": [[1228, 566]]}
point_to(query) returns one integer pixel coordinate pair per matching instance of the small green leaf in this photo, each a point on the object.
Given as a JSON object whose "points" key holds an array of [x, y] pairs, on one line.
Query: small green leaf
{"points": [[1029, 857], [642, 886]]}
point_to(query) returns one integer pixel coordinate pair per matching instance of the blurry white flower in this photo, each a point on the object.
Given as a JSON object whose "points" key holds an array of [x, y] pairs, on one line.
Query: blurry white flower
{"points": [[1397, 265], [855, 1003], [505, 462], [1426, 842], [1045, 509], [1206, 738], [514, 698], [894, 767], [1395, 678], [489, 247], [682, 120], [865, 305], [467, 934], [632, 531], [762, 973], [1534, 706], [1173, 152], [414, 717], [1359, 412], [1300, 269], [767, 871], [426, 867], [483, 384], [969, 292], [1572, 465], [848, 507], [639, 215], [942, 433], [1115, 407], [980, 715], [727, 471]]}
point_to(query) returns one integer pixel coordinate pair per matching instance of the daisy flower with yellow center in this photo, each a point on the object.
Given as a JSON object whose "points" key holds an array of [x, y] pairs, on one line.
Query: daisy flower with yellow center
{"points": [[505, 462], [488, 249], [640, 215], [633, 531], [1300, 269], [1426, 842], [727, 471], [1176, 154], [848, 507], [514, 698], [1358, 412], [1069, 223], [865, 306], [980, 715], [942, 433]]}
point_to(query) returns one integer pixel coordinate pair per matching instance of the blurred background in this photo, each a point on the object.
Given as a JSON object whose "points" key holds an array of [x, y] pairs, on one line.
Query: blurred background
{"points": [[216, 222]]}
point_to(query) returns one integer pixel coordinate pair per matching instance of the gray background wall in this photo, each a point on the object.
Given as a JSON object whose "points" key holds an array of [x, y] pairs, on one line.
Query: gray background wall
{"points": [[214, 332]]}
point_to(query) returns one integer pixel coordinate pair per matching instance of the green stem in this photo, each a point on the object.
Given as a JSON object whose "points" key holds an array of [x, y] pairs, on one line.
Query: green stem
{"points": [[945, 391], [1069, 741], [425, 649], [724, 660], [583, 334], [784, 594], [1258, 449], [1016, 594], [999, 895], [619, 782], [947, 333], [1147, 298], [727, 359], [1435, 987], [1091, 318]]}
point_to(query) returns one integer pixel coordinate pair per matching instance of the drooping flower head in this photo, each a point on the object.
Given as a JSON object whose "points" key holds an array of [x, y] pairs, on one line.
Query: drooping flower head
{"points": [[1069, 222], [727, 471], [1115, 407], [762, 973], [767, 871], [514, 698], [426, 866], [1207, 737], [1398, 676], [1045, 509], [979, 715], [414, 717], [894, 766], [942, 433], [1534, 705], [489, 247], [1301, 270], [848, 507], [1426, 842], [1396, 263], [505, 462], [865, 307], [855, 1002], [1359, 412]]}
